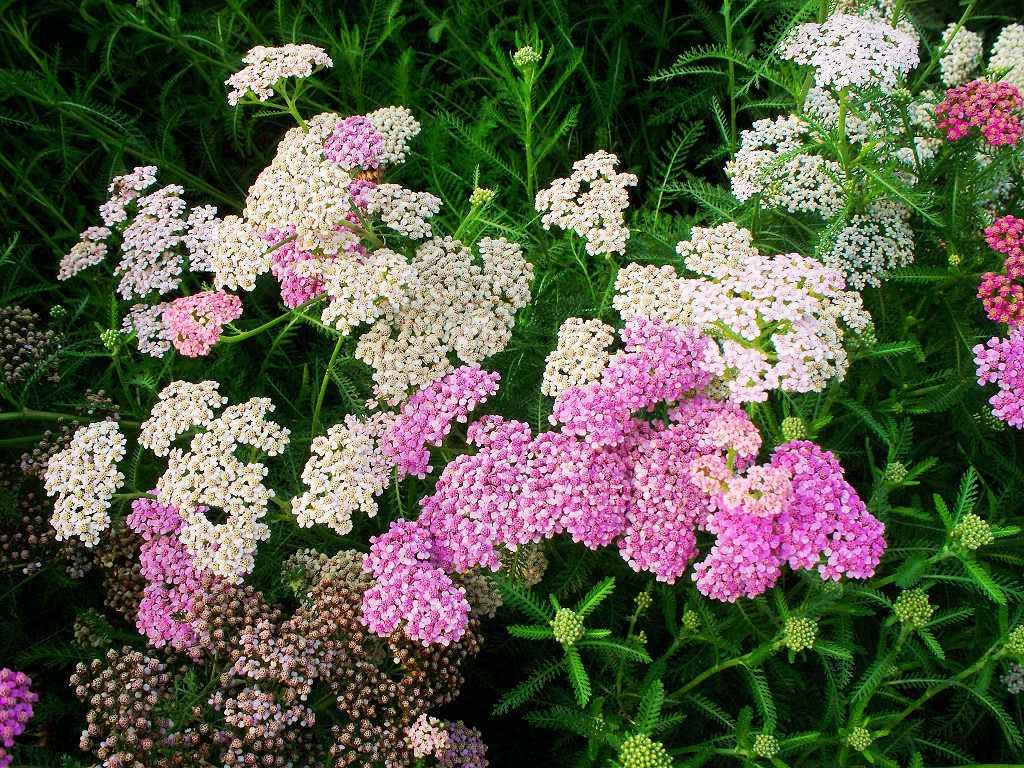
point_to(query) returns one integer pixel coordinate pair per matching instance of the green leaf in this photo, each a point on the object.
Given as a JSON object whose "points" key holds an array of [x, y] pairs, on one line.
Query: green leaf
{"points": [[615, 649], [531, 632], [595, 596], [529, 688], [519, 597], [577, 675], [649, 709], [982, 578]]}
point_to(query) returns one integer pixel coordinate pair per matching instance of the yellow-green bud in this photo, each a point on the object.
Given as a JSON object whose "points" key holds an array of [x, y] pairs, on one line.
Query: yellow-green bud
{"points": [[111, 338], [800, 633], [641, 637], [481, 196], [895, 473], [691, 621], [972, 532], [642, 752], [859, 738], [913, 609], [1015, 642], [58, 312], [527, 56], [766, 745], [567, 626], [793, 428], [643, 601]]}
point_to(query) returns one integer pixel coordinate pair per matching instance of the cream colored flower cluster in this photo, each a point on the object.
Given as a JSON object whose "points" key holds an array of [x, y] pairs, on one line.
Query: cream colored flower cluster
{"points": [[361, 291], [596, 213], [962, 57], [84, 477], [266, 67], [208, 474], [397, 127], [873, 243], [453, 305], [1008, 54], [346, 471], [403, 210], [150, 335], [90, 250], [238, 255], [579, 356], [778, 320]]}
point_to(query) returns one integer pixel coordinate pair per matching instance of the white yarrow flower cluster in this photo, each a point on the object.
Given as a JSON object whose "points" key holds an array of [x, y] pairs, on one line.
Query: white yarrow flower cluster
{"points": [[346, 471], [778, 320], [181, 406], [144, 320], [84, 477], [454, 305], [90, 250], [855, 51], [873, 243], [403, 210], [209, 474], [397, 127], [962, 57], [238, 255], [772, 162], [266, 67], [596, 213], [1007, 54], [579, 356]]}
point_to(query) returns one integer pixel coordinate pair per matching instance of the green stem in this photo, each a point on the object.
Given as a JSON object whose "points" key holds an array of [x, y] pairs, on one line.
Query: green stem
{"points": [[315, 427], [937, 56], [731, 69], [735, 661], [28, 414], [294, 313]]}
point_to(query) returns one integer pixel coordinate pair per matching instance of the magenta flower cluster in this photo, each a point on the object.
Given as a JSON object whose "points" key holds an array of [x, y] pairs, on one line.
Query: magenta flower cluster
{"points": [[172, 579], [1001, 362], [16, 700], [355, 143], [607, 476], [992, 108], [194, 323], [296, 289], [1002, 297], [427, 417]]}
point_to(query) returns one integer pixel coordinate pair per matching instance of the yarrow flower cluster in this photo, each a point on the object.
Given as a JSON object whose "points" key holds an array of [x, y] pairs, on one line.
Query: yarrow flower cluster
{"points": [[1007, 55], [266, 67], [992, 108], [596, 213], [579, 356], [962, 57], [778, 320], [873, 243], [607, 477], [1001, 362], [16, 700], [209, 474], [193, 323], [854, 51], [84, 476]]}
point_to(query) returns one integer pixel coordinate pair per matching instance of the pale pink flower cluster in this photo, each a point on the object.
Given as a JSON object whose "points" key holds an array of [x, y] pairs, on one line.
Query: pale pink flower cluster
{"points": [[172, 580], [1000, 293], [356, 143], [144, 320], [296, 289], [16, 700], [778, 320], [994, 109], [267, 66], [607, 476], [855, 51], [90, 250], [193, 323], [1001, 362], [427, 736], [595, 214]]}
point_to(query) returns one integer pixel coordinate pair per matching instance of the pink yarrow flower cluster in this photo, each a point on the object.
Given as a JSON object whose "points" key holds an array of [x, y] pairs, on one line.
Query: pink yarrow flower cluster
{"points": [[607, 476], [1002, 297], [16, 700], [194, 322], [355, 143], [1001, 362], [992, 108], [172, 579], [296, 289]]}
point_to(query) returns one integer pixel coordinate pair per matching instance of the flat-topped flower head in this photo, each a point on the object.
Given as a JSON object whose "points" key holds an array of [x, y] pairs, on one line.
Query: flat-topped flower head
{"points": [[194, 323], [267, 66], [993, 109]]}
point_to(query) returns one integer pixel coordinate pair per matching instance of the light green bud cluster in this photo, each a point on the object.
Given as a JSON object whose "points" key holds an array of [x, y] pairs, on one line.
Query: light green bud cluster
{"points": [[800, 633], [895, 473], [859, 738], [691, 621], [793, 428], [1015, 642], [972, 532], [527, 56], [766, 745], [481, 196], [643, 601], [913, 609], [567, 626], [111, 338]]}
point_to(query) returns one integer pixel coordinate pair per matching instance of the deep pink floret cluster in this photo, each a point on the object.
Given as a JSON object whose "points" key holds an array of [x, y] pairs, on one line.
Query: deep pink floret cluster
{"points": [[992, 108], [609, 476], [194, 323], [172, 580], [1006, 236], [16, 700], [355, 143], [427, 417], [1001, 362], [295, 289]]}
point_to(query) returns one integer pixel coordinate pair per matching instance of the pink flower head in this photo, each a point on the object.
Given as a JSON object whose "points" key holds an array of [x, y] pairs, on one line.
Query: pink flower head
{"points": [[194, 322], [172, 580], [993, 108], [355, 143], [16, 700], [1001, 362], [1006, 236], [295, 289], [1002, 298]]}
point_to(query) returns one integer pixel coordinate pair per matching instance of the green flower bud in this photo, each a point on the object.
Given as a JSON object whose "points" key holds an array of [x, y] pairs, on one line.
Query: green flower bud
{"points": [[800, 633], [988, 420], [481, 196], [1015, 642], [527, 56], [111, 339], [859, 738], [766, 745], [567, 626], [58, 312], [642, 752], [954, 259], [643, 601], [691, 621], [972, 532], [793, 428], [913, 609], [895, 473]]}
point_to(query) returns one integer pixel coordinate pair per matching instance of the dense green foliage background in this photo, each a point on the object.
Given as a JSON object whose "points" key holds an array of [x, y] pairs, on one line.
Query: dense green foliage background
{"points": [[88, 89]]}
